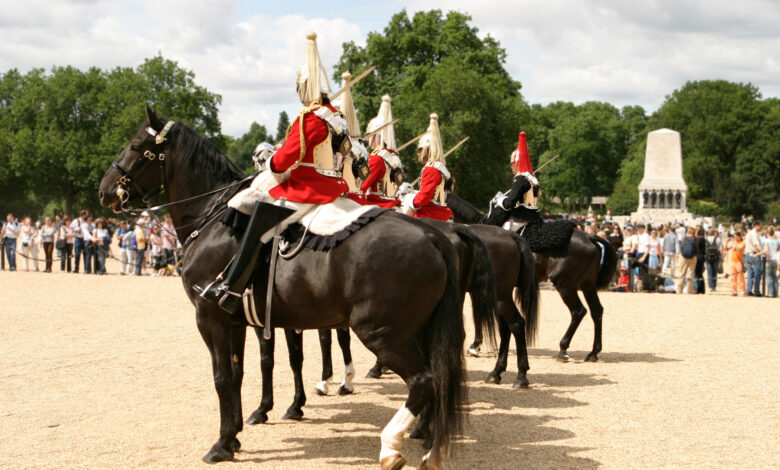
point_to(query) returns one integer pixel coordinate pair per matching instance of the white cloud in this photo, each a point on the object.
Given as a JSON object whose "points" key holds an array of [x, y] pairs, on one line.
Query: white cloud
{"points": [[607, 50], [628, 52], [251, 62]]}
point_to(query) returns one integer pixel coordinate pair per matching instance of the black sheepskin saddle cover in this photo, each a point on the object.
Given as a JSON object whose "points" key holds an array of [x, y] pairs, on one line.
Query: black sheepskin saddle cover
{"points": [[552, 238]]}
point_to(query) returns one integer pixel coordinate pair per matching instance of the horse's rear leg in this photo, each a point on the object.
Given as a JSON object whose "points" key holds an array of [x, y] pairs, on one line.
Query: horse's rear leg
{"points": [[515, 323], [376, 371], [349, 369], [596, 312], [577, 311], [327, 363], [260, 415], [217, 336], [473, 350], [295, 348], [408, 363], [504, 334]]}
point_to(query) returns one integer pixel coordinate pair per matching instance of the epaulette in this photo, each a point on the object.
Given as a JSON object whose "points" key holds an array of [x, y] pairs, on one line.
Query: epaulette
{"points": [[442, 169], [391, 158], [335, 121]]}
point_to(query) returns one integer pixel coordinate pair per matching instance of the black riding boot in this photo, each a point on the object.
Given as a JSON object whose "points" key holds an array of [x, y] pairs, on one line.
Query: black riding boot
{"points": [[228, 293]]}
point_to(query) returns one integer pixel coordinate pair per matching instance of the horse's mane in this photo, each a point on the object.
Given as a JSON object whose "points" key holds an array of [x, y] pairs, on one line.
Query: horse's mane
{"points": [[203, 158], [463, 211]]}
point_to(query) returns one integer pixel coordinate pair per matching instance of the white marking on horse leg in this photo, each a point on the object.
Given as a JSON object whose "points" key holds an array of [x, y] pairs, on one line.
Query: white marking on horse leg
{"points": [[322, 386], [393, 434], [349, 374]]}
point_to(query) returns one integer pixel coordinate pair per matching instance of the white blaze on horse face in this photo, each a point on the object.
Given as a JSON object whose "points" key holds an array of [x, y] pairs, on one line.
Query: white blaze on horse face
{"points": [[393, 434]]}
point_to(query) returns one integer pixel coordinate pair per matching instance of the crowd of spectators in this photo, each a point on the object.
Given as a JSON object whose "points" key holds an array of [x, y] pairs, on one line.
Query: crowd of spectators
{"points": [[144, 247], [691, 259]]}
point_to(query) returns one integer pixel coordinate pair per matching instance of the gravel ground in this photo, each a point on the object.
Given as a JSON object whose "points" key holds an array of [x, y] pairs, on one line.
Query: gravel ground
{"points": [[110, 372]]}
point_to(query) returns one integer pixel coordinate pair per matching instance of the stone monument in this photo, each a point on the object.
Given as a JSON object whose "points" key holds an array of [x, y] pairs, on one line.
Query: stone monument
{"points": [[663, 194]]}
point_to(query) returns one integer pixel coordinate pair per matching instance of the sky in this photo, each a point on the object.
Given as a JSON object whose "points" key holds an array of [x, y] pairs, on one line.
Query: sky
{"points": [[621, 52]]}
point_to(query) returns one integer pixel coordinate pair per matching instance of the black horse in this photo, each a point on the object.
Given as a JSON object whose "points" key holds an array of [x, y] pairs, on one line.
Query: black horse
{"points": [[475, 275], [513, 268], [589, 266], [414, 325]]}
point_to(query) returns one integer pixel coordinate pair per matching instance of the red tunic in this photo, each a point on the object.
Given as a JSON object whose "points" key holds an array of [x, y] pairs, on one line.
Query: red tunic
{"points": [[305, 184], [378, 168], [431, 178]]}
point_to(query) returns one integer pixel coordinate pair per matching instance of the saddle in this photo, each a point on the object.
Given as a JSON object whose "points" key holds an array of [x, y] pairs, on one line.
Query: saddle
{"points": [[552, 238]]}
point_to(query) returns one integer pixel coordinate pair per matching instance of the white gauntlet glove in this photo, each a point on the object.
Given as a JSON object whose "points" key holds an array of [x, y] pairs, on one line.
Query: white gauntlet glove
{"points": [[498, 200], [408, 201], [403, 190]]}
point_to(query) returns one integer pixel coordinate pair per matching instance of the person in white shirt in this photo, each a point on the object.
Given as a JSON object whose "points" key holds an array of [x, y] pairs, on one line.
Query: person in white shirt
{"points": [[78, 240], [28, 234], [772, 256], [87, 228], [11, 231], [753, 252], [643, 244]]}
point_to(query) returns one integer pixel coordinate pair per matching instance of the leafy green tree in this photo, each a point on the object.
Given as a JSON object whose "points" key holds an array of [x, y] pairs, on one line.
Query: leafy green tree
{"points": [[281, 126], [240, 150], [432, 63], [62, 130]]}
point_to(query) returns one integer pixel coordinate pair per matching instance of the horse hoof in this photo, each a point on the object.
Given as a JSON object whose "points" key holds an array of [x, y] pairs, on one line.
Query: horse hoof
{"points": [[520, 383], [493, 379], [393, 462], [591, 358], [373, 374], [473, 352], [218, 454], [235, 444], [426, 464], [563, 357], [258, 417], [343, 390], [293, 414], [320, 392]]}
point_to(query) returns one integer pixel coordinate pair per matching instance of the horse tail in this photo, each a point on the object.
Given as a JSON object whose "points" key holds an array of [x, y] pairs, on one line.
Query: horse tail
{"points": [[483, 285], [443, 337], [609, 263], [527, 293]]}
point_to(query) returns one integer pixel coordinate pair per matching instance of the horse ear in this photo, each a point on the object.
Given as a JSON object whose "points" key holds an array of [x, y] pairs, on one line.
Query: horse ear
{"points": [[154, 121]]}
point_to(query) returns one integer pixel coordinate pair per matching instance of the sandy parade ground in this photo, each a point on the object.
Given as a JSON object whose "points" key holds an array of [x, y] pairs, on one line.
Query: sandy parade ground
{"points": [[110, 372]]}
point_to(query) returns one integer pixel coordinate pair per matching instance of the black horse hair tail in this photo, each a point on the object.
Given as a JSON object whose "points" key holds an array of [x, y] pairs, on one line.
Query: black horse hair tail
{"points": [[527, 293], [483, 285], [443, 336], [608, 267]]}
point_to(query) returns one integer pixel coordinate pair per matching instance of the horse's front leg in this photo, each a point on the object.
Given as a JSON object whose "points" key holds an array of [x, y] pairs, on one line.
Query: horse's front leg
{"points": [[215, 330], [295, 348], [237, 343], [260, 415]]}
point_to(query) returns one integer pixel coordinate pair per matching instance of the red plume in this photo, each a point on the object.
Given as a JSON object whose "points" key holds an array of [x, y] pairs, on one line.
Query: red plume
{"points": [[521, 161]]}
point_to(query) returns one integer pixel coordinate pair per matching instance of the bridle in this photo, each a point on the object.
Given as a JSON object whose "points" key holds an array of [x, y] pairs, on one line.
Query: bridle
{"points": [[128, 176]]}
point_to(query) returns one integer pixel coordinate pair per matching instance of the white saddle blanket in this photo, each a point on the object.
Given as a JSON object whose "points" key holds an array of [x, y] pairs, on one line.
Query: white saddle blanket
{"points": [[327, 219]]}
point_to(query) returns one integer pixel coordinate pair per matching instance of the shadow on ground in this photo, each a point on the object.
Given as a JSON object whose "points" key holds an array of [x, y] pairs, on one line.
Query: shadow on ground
{"points": [[608, 357], [492, 431]]}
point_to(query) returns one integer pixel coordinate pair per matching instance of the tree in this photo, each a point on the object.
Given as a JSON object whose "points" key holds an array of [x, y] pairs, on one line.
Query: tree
{"points": [[241, 149], [281, 126], [432, 63], [62, 130]]}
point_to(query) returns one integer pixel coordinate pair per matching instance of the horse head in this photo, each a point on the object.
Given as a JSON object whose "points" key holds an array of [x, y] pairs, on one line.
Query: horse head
{"points": [[134, 174]]}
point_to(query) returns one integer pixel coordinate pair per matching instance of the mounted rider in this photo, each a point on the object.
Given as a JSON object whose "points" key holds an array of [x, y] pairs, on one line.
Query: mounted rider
{"points": [[355, 162], [262, 153], [431, 200], [303, 172], [386, 170], [522, 198]]}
